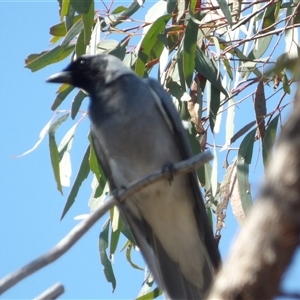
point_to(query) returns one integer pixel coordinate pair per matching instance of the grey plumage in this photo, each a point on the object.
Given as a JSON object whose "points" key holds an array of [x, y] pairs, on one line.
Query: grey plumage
{"points": [[137, 130]]}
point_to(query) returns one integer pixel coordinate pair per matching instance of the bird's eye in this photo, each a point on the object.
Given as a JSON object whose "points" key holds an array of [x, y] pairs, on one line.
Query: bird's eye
{"points": [[82, 63]]}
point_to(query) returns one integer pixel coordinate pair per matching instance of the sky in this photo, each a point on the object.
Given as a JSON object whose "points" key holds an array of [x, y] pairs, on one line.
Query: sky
{"points": [[30, 205]]}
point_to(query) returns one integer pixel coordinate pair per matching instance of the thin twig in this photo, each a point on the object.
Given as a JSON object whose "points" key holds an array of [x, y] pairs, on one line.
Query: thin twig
{"points": [[52, 293]]}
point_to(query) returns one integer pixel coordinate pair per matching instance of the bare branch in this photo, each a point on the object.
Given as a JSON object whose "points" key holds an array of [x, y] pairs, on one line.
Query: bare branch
{"points": [[52, 293], [79, 230], [269, 237]]}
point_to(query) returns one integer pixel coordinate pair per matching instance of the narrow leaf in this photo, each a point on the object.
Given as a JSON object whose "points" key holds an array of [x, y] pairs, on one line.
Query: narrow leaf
{"points": [[260, 108], [171, 4], [76, 103], [60, 29], [62, 96], [225, 9], [269, 140], [74, 31], [116, 229], [64, 148], [54, 154], [64, 8], [103, 244], [244, 160], [119, 9], [151, 295], [148, 42], [205, 67], [70, 18], [81, 6], [80, 47], [128, 257], [242, 131], [82, 174], [48, 57], [88, 22], [41, 137], [214, 107], [189, 50]]}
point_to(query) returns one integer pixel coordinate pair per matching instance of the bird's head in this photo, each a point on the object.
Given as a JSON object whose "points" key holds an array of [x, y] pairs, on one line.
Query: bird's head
{"points": [[91, 71]]}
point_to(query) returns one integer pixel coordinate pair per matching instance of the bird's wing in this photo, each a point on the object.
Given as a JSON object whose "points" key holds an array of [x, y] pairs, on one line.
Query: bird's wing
{"points": [[172, 117]]}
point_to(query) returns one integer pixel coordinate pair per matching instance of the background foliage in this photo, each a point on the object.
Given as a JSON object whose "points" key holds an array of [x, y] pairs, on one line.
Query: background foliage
{"points": [[221, 62]]}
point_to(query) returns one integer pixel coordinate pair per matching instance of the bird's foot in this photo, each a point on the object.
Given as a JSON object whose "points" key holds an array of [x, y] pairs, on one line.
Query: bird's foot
{"points": [[169, 167], [116, 193]]}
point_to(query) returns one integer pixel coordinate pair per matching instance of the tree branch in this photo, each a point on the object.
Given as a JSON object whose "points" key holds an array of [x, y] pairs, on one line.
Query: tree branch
{"points": [[270, 235], [52, 293], [79, 230]]}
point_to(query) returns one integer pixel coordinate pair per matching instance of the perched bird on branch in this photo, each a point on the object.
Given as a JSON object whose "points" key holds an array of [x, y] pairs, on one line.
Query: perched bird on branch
{"points": [[137, 130]]}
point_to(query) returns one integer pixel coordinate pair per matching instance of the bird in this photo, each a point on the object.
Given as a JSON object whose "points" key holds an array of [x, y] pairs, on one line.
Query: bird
{"points": [[137, 130]]}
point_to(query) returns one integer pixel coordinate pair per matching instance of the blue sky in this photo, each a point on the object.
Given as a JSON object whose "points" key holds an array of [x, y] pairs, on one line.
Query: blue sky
{"points": [[30, 204]]}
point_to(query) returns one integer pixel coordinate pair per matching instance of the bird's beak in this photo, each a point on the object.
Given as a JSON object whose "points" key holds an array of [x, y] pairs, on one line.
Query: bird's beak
{"points": [[62, 77]]}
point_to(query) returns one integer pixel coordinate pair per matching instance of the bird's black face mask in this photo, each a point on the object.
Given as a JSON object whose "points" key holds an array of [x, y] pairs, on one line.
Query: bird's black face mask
{"points": [[77, 73]]}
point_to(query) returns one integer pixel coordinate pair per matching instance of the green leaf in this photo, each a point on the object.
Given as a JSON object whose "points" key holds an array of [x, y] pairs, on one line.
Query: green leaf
{"points": [[269, 17], [82, 174], [147, 284], [48, 57], [246, 71], [76, 103], [189, 50], [150, 39], [81, 6], [54, 154], [88, 22], [246, 147], [133, 7], [62, 96], [242, 131], [116, 229], [128, 257], [210, 217], [171, 4], [205, 67], [225, 9], [175, 89], [103, 244], [74, 31], [58, 29], [228, 68], [151, 295], [285, 84], [93, 161], [214, 107], [80, 45], [208, 171], [194, 141], [180, 70], [70, 18], [94, 164], [269, 140], [64, 148], [119, 9], [64, 8], [260, 47], [244, 159], [119, 51]]}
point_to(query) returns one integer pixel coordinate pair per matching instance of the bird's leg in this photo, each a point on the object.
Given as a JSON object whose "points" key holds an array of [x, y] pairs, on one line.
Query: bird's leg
{"points": [[169, 167], [116, 193]]}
